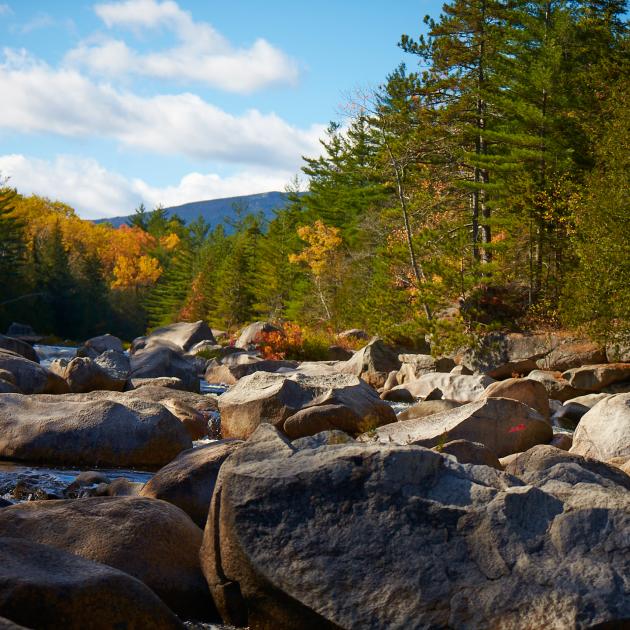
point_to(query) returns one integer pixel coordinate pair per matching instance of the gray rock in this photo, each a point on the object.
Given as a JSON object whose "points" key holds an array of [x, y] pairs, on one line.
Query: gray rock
{"points": [[250, 335], [455, 387], [265, 397], [19, 347], [150, 540], [420, 540], [415, 365], [97, 345], [558, 388], [86, 375], [74, 429], [572, 355], [526, 390], [159, 360], [505, 426], [182, 334], [604, 432], [426, 408], [373, 363], [31, 377], [188, 481], [114, 363], [594, 378], [466, 452], [230, 372], [44, 587]]}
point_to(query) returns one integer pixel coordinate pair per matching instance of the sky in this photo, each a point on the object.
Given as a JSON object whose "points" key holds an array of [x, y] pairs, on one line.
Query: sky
{"points": [[111, 104]]}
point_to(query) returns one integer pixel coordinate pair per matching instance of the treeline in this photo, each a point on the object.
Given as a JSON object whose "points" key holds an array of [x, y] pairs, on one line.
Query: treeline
{"points": [[486, 184]]}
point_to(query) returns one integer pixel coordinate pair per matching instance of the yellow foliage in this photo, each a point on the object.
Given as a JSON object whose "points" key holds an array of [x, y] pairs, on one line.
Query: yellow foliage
{"points": [[131, 272], [323, 247], [170, 241]]}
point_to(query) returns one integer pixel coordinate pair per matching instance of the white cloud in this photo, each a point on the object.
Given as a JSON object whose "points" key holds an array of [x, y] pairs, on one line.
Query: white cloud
{"points": [[202, 54], [37, 98], [96, 192]]}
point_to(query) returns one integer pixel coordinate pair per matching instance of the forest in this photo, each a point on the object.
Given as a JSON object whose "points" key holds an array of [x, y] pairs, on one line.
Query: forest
{"points": [[483, 185]]}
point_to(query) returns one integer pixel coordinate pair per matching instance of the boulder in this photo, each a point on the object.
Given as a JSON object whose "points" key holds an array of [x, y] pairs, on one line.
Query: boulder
{"points": [[75, 430], [415, 365], [460, 388], [182, 334], [6, 387], [588, 400], [85, 375], [265, 397], [419, 540], [569, 415], [97, 345], [426, 408], [228, 372], [372, 363], [170, 382], [535, 464], [250, 335], [208, 348], [155, 361], [19, 347], [530, 392], [30, 377], [594, 378], [571, 355], [466, 452], [604, 432], [562, 441], [558, 388], [339, 353], [114, 363], [398, 394], [44, 587], [312, 420], [505, 426], [151, 540], [188, 481]]}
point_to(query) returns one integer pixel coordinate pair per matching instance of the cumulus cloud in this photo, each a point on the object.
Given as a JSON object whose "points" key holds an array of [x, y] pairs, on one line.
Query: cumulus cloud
{"points": [[201, 55], [38, 98], [96, 192]]}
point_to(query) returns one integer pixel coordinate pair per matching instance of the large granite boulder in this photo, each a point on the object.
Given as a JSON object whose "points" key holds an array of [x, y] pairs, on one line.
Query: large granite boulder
{"points": [[415, 365], [116, 364], [604, 432], [157, 360], [185, 335], [235, 366], [458, 387], [572, 354], [534, 465], [416, 539], [373, 363], [151, 540], [44, 587], [594, 378], [30, 377], [528, 391], [505, 426], [265, 397], [558, 388], [188, 481], [75, 430], [19, 347], [98, 345], [86, 375]]}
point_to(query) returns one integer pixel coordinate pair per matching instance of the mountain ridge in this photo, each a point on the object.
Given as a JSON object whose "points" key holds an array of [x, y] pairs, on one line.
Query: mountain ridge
{"points": [[216, 211]]}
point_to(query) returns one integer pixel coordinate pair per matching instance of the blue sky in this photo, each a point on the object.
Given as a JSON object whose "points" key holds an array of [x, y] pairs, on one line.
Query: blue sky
{"points": [[111, 103]]}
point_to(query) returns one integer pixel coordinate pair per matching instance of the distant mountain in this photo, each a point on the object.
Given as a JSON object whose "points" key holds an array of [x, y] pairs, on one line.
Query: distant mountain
{"points": [[215, 211]]}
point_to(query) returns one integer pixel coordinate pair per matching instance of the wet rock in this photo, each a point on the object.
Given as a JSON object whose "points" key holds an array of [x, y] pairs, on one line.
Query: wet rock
{"points": [[470, 453], [604, 432], [503, 425], [19, 347], [73, 430], [31, 377], [44, 587], [148, 539], [448, 545], [527, 391], [264, 397], [188, 481]]}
